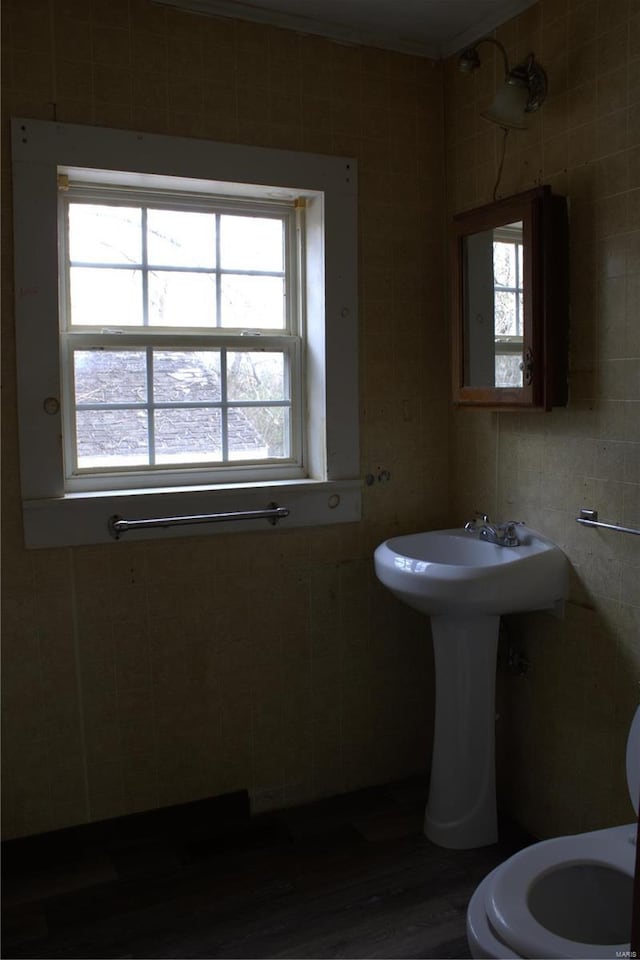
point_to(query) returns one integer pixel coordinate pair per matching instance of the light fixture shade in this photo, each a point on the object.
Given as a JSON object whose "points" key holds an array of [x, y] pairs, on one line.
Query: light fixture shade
{"points": [[508, 107]]}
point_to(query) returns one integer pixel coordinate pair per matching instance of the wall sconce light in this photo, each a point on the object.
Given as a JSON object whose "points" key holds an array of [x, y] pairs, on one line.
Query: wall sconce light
{"points": [[523, 91]]}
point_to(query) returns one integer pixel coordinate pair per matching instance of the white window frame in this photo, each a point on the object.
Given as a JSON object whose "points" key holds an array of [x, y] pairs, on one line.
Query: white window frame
{"points": [[73, 188], [329, 492]]}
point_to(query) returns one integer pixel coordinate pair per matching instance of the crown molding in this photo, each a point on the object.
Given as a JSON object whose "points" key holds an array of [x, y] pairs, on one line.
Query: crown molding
{"points": [[353, 34]]}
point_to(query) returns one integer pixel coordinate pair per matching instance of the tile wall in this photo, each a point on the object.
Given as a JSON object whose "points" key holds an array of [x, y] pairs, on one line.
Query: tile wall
{"points": [[137, 676], [565, 725], [144, 675]]}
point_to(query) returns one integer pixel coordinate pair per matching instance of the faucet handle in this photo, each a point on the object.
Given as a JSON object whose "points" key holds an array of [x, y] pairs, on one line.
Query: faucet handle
{"points": [[512, 524], [510, 535], [478, 516]]}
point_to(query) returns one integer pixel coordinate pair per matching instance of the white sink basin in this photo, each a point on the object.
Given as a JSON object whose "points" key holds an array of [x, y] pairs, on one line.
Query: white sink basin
{"points": [[465, 583], [454, 572]]}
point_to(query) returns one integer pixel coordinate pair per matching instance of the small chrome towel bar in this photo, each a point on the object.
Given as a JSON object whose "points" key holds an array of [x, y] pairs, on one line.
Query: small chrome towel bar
{"points": [[590, 519], [272, 513]]}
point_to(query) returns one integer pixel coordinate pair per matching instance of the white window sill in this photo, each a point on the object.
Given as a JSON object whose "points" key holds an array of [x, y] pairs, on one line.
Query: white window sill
{"points": [[78, 519]]}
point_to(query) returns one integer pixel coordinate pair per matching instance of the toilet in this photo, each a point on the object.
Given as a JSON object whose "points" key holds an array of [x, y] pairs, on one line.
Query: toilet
{"points": [[567, 897]]}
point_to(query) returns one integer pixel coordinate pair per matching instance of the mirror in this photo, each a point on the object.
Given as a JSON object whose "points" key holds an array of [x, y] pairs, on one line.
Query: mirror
{"points": [[493, 307], [510, 302]]}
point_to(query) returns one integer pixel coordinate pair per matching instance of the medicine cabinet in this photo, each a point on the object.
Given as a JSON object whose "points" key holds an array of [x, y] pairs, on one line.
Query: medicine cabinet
{"points": [[510, 293]]}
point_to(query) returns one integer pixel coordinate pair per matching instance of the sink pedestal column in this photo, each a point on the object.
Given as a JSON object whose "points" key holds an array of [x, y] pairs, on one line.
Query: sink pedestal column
{"points": [[461, 810]]}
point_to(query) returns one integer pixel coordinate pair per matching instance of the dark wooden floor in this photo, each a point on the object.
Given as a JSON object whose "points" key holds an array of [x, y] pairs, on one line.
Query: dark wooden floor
{"points": [[348, 877]]}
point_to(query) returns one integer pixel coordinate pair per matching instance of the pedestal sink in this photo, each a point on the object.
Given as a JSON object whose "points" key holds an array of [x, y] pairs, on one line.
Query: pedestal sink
{"points": [[465, 583]]}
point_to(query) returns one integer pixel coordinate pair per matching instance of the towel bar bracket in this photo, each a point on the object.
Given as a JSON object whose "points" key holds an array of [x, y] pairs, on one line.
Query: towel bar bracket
{"points": [[589, 518]]}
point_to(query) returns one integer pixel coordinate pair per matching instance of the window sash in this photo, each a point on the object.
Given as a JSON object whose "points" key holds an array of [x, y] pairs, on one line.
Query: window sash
{"points": [[82, 477], [505, 346], [286, 212], [149, 337]]}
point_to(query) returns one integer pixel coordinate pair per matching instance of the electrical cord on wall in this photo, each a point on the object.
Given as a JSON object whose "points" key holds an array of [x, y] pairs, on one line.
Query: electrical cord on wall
{"points": [[505, 131]]}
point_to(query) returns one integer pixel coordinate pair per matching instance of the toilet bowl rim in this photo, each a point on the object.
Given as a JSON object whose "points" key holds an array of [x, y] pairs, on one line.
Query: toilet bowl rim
{"points": [[506, 894], [480, 934]]}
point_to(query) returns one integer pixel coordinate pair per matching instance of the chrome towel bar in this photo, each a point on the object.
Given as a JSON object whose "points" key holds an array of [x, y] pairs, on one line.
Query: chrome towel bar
{"points": [[590, 519], [272, 513]]}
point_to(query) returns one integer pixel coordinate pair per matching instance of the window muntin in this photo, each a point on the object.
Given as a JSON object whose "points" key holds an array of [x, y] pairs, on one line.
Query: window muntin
{"points": [[180, 336]]}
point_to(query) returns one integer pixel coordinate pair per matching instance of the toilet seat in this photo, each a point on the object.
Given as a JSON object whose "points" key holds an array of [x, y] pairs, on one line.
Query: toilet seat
{"points": [[506, 897], [633, 761], [561, 881], [482, 938]]}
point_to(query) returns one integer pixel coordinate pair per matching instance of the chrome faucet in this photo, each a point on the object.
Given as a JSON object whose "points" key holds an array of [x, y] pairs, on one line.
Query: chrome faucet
{"points": [[472, 525], [502, 534]]}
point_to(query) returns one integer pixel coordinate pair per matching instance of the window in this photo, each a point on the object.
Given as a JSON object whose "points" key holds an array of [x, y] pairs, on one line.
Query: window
{"points": [[185, 344], [508, 304], [181, 327]]}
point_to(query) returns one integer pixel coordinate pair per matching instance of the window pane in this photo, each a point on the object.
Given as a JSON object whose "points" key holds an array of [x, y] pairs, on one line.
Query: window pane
{"points": [[256, 375], [106, 298], [505, 314], [253, 302], [186, 375], [508, 372], [182, 299], [504, 264], [256, 433], [177, 238], [188, 435], [105, 234], [111, 438], [251, 243], [110, 376]]}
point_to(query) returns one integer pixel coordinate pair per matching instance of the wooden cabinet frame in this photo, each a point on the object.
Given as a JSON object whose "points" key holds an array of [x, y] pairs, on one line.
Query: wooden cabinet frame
{"points": [[546, 300]]}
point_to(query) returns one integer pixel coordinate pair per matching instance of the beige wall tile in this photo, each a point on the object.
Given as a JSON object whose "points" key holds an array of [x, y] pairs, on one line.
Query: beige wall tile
{"points": [[589, 451], [111, 45], [111, 84], [159, 683]]}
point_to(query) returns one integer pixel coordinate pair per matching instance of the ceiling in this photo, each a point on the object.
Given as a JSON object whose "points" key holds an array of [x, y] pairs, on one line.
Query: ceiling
{"points": [[428, 28]]}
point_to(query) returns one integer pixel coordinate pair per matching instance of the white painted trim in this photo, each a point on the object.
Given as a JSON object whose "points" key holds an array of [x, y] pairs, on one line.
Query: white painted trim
{"points": [[359, 33], [76, 519], [356, 34], [466, 38], [40, 148]]}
